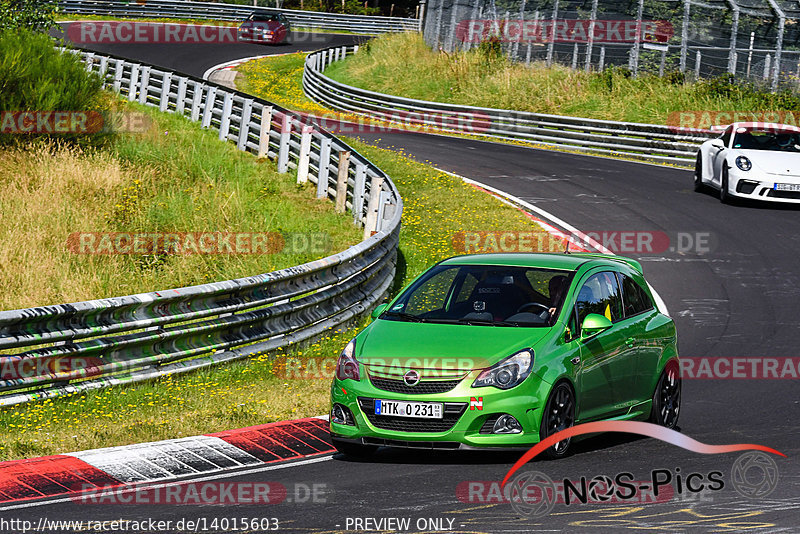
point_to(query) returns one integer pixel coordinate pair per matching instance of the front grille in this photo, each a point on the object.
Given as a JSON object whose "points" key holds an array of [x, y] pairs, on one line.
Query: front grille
{"points": [[451, 413], [774, 193], [424, 387]]}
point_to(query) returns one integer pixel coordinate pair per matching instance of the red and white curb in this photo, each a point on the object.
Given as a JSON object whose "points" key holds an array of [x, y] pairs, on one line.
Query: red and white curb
{"points": [[72, 473]]}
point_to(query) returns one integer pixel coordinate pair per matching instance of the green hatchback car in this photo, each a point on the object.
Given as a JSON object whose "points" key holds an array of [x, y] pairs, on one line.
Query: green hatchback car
{"points": [[502, 350]]}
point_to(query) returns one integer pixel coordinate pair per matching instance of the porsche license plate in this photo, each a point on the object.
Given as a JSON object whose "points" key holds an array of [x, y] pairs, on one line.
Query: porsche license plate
{"points": [[426, 410], [787, 187]]}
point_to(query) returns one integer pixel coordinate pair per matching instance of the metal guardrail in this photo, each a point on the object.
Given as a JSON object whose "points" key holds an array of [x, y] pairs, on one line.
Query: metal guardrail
{"points": [[94, 344], [645, 141], [178, 9]]}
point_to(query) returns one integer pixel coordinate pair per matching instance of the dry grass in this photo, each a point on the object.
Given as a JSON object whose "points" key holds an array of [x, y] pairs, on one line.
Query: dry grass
{"points": [[175, 178]]}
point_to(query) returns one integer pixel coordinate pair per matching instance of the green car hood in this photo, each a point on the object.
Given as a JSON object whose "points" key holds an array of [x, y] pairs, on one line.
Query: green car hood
{"points": [[407, 344]]}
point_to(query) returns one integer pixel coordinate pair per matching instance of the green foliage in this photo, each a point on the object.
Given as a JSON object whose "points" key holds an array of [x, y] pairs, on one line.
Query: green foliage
{"points": [[36, 15], [34, 76]]}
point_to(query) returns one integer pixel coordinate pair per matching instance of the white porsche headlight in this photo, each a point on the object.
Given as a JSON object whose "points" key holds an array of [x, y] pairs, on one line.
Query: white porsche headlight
{"points": [[744, 163]]}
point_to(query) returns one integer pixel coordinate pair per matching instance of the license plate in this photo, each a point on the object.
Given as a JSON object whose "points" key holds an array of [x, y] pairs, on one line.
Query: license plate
{"points": [[787, 187], [424, 410]]}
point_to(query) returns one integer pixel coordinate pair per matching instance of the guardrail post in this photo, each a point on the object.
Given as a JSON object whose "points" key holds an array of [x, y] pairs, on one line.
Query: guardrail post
{"points": [[180, 105], [144, 85], [324, 167], [371, 224], [103, 66], [197, 99], [263, 134], [602, 58], [134, 79], [225, 121], [358, 192], [384, 198], [341, 181], [166, 85], [283, 150], [208, 110], [119, 69], [244, 125], [89, 60], [575, 56], [305, 154]]}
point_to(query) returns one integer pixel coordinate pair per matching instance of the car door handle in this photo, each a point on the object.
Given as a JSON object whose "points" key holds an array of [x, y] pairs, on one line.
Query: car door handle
{"points": [[630, 341], [576, 360]]}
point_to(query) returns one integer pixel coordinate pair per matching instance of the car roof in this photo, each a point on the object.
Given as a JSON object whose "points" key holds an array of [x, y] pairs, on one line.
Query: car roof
{"points": [[569, 262], [764, 126]]}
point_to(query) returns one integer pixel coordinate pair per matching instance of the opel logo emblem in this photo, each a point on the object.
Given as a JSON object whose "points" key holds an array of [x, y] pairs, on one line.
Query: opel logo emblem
{"points": [[411, 378]]}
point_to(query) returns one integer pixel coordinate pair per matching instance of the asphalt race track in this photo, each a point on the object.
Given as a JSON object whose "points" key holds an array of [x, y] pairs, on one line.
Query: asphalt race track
{"points": [[737, 299]]}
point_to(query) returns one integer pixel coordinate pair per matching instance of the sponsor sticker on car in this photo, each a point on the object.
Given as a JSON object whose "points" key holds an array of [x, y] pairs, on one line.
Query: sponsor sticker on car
{"points": [[426, 410]]}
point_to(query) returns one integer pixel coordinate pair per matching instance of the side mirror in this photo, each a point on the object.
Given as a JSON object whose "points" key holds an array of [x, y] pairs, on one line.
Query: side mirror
{"points": [[379, 310], [717, 143], [594, 324]]}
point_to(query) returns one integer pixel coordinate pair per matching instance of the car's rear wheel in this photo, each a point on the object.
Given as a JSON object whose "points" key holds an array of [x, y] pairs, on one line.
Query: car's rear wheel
{"points": [[353, 450], [559, 414], [698, 174], [667, 398]]}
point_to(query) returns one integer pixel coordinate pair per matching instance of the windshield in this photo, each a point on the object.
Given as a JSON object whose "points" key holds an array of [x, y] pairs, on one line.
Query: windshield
{"points": [[767, 140], [487, 295], [264, 17]]}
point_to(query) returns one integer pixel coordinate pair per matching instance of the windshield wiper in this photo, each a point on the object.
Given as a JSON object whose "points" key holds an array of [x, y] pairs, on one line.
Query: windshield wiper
{"points": [[406, 317]]}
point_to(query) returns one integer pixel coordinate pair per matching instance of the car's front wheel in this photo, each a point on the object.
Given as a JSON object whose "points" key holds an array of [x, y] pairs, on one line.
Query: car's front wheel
{"points": [[559, 414], [724, 194], [698, 173], [667, 398], [353, 450]]}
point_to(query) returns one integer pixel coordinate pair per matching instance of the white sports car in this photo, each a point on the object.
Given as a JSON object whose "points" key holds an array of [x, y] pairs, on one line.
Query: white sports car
{"points": [[759, 161]]}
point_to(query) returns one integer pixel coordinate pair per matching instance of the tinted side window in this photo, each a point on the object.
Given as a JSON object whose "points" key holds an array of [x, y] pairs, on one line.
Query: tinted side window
{"points": [[726, 137], [634, 297], [600, 295]]}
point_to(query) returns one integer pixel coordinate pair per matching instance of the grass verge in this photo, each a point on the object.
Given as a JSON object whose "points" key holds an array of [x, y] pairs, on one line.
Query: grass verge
{"points": [[262, 389], [173, 178], [403, 65]]}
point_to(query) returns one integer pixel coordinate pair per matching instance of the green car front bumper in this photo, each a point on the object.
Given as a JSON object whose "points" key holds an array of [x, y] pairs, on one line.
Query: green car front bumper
{"points": [[468, 415]]}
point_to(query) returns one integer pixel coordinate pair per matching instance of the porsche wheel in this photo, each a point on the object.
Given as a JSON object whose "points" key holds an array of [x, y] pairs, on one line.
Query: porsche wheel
{"points": [[698, 174], [724, 194]]}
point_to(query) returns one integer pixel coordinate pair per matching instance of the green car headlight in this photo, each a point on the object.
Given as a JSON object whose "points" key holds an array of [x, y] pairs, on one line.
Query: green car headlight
{"points": [[507, 373]]}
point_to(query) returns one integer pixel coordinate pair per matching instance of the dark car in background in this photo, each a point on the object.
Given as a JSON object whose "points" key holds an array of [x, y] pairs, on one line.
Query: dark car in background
{"points": [[265, 27]]}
